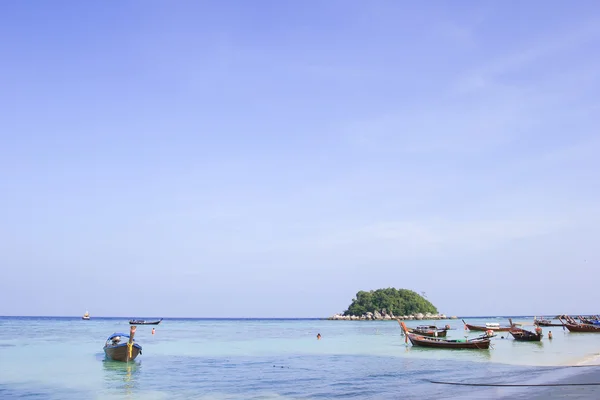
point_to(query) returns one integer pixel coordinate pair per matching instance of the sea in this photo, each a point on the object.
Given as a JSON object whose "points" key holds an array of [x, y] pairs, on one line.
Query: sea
{"points": [[62, 358]]}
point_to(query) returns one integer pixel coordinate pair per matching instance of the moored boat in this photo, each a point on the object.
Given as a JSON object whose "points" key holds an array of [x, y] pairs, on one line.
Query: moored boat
{"points": [[116, 349], [478, 343], [573, 326], [524, 335], [86, 316], [491, 326], [589, 320], [428, 330], [545, 322], [144, 322]]}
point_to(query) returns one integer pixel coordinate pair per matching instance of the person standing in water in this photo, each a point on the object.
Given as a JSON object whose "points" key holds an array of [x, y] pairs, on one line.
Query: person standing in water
{"points": [[153, 331], [318, 336]]}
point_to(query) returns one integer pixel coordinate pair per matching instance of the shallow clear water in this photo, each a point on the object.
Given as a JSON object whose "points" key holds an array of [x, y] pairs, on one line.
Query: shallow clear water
{"points": [[62, 358]]}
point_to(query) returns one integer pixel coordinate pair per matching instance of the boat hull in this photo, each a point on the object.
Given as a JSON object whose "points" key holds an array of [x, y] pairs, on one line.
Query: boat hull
{"points": [[444, 344], [583, 328], [85, 318], [526, 337], [134, 322], [121, 352]]}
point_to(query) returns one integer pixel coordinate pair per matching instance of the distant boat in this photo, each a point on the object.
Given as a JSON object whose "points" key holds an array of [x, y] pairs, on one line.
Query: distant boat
{"points": [[118, 350], [144, 322], [545, 322], [591, 320], [492, 326], [86, 316]]}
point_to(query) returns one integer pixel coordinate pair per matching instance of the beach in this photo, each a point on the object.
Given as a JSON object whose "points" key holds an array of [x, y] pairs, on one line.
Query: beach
{"points": [[584, 376], [62, 358]]}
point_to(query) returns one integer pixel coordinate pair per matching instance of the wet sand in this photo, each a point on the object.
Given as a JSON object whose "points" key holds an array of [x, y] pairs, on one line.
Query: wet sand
{"points": [[588, 375], [575, 382], [587, 380]]}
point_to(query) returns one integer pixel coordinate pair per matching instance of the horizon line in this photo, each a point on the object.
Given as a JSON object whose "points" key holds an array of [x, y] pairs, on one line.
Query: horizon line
{"points": [[275, 318]]}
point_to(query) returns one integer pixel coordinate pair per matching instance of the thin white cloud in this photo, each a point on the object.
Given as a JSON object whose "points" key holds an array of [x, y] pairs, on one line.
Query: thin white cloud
{"points": [[422, 236], [479, 113], [481, 77]]}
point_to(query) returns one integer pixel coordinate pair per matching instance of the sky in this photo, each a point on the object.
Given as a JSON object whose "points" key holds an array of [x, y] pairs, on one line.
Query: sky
{"points": [[271, 159]]}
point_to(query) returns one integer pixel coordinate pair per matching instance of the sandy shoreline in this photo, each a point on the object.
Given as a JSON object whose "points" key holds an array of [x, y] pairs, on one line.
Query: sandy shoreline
{"points": [[593, 359], [587, 377], [563, 382], [572, 380]]}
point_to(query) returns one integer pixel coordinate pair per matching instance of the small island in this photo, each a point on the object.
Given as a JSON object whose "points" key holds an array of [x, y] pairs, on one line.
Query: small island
{"points": [[389, 304]]}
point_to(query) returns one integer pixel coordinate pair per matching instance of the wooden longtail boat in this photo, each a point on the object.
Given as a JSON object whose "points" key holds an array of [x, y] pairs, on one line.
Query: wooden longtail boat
{"points": [[524, 335], [575, 327], [428, 330], [117, 350], [490, 326], [144, 322], [479, 343], [545, 322]]}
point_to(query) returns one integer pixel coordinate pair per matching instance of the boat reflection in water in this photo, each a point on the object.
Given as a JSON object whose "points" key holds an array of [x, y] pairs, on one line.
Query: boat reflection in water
{"points": [[121, 376]]}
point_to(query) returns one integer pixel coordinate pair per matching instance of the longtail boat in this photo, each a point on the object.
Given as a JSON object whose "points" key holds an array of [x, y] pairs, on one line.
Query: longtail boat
{"points": [[117, 350], [545, 322], [144, 322], [524, 335], [478, 343], [573, 326], [489, 326], [428, 330]]}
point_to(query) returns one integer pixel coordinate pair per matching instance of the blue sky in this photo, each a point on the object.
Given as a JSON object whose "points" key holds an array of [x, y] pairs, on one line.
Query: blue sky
{"points": [[270, 159]]}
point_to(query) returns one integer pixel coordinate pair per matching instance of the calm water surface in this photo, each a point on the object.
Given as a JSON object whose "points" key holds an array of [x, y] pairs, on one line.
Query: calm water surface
{"points": [[62, 358]]}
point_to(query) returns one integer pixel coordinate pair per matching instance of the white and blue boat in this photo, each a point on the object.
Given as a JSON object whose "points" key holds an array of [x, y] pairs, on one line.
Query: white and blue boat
{"points": [[117, 349]]}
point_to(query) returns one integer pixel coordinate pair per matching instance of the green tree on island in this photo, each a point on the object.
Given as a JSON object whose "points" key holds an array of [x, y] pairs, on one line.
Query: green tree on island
{"points": [[396, 301]]}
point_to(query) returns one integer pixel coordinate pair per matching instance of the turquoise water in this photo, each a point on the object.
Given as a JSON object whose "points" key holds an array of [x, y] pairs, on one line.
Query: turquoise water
{"points": [[62, 358]]}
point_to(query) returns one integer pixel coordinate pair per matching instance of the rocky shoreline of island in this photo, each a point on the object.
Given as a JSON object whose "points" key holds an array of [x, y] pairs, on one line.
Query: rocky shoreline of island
{"points": [[384, 315]]}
